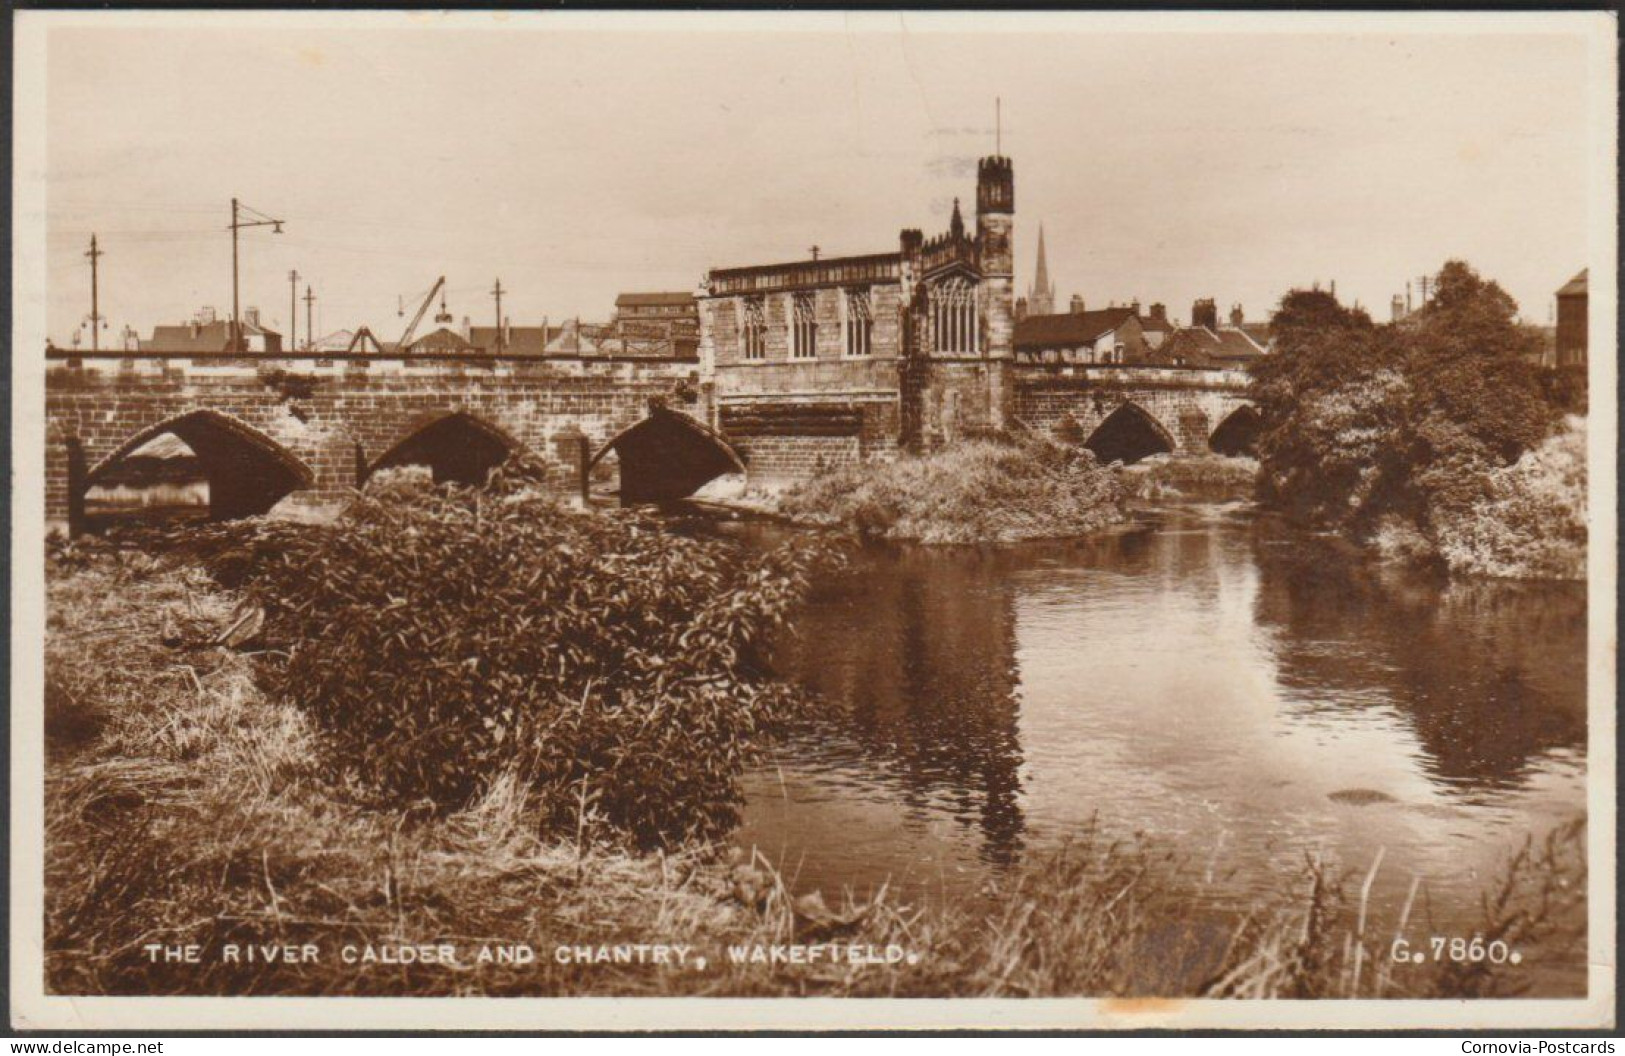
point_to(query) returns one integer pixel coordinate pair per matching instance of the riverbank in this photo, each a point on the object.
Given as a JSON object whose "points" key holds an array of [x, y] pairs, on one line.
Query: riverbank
{"points": [[187, 806], [975, 492]]}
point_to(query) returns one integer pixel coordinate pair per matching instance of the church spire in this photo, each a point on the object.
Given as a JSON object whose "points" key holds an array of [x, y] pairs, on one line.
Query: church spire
{"points": [[1041, 298]]}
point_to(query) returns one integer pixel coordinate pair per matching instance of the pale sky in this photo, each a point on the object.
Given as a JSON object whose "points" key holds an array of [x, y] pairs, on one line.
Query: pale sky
{"points": [[575, 164]]}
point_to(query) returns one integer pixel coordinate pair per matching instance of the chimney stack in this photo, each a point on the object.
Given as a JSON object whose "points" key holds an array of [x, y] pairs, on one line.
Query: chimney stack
{"points": [[1159, 312], [1205, 313], [1077, 304], [1237, 316], [251, 316]]}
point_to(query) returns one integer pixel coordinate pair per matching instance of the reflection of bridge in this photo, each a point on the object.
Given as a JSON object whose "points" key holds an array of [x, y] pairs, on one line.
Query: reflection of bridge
{"points": [[269, 427]]}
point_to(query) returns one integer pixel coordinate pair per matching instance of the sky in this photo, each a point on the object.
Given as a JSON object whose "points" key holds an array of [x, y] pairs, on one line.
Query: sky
{"points": [[576, 163]]}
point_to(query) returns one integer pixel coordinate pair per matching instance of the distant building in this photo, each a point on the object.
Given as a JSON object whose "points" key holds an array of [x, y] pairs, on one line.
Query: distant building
{"points": [[1107, 335], [1040, 298], [1223, 348], [639, 307], [1572, 336], [1155, 326], [206, 333]]}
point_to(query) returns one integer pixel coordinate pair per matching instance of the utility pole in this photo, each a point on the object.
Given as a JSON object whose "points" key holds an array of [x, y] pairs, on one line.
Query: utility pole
{"points": [[1425, 283], [95, 309], [293, 311], [255, 219], [310, 299], [496, 291]]}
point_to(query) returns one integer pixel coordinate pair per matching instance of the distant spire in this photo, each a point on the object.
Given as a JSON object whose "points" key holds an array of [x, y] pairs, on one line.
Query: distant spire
{"points": [[1041, 300], [956, 226]]}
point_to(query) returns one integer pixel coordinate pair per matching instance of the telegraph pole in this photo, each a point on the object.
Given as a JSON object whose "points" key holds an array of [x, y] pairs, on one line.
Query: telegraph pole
{"points": [[496, 291], [256, 219], [293, 311], [310, 299], [95, 309]]}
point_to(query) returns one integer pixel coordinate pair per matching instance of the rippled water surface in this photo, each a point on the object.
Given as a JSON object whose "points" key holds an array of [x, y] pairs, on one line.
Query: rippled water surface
{"points": [[1218, 681]]}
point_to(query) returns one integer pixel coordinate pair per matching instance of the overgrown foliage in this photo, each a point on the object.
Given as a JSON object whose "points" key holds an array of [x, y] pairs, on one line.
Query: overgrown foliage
{"points": [[442, 636], [200, 810], [979, 491], [1398, 430]]}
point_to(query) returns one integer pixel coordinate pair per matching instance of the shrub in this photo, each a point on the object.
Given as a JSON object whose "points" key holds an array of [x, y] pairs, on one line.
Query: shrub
{"points": [[1526, 520], [445, 636], [979, 491]]}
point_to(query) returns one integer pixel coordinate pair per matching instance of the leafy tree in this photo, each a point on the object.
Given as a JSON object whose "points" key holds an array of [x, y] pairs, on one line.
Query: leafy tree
{"points": [[1363, 422]]}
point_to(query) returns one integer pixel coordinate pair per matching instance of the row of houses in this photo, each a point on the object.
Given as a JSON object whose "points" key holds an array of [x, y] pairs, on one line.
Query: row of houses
{"points": [[644, 324]]}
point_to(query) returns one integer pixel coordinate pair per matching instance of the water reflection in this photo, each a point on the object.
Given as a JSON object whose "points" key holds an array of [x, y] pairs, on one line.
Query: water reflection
{"points": [[915, 655], [1241, 692], [1489, 676]]}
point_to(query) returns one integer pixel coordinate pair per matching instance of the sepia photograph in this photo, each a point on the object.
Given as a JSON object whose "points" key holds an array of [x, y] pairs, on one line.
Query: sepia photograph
{"points": [[1096, 520]]}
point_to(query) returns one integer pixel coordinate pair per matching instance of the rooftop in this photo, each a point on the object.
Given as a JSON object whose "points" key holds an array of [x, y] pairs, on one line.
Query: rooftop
{"points": [[1069, 328]]}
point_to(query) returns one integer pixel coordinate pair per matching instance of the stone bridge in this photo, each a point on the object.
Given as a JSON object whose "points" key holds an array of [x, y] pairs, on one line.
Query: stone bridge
{"points": [[302, 431], [1128, 413]]}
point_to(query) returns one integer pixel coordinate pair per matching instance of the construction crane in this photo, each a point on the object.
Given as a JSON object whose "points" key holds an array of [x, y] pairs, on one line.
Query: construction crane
{"points": [[411, 328]]}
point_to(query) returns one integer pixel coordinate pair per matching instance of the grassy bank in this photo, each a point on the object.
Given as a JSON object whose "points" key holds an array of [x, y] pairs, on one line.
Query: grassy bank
{"points": [[1203, 477], [187, 804], [980, 491]]}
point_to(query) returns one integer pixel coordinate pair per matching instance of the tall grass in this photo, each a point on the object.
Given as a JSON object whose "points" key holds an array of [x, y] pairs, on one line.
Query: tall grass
{"points": [[980, 491], [187, 805]]}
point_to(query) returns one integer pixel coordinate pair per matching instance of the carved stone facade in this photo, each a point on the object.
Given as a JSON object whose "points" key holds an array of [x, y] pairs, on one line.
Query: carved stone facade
{"points": [[825, 362]]}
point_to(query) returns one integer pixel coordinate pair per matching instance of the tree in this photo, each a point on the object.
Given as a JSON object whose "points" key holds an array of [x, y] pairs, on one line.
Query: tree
{"points": [[1363, 422]]}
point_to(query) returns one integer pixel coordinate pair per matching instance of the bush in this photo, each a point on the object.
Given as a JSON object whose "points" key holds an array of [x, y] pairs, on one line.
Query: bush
{"points": [[1527, 520], [1367, 428], [979, 491], [444, 637]]}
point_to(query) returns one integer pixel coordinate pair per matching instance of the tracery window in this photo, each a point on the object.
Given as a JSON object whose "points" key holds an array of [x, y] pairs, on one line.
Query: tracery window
{"points": [[953, 316], [753, 329], [860, 322], [803, 326]]}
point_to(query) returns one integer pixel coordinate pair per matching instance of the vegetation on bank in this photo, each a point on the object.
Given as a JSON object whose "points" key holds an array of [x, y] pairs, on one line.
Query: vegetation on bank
{"points": [[978, 491], [1409, 436], [1205, 477], [192, 798]]}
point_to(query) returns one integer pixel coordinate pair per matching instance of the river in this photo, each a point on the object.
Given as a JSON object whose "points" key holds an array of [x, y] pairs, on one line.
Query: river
{"points": [[1228, 685]]}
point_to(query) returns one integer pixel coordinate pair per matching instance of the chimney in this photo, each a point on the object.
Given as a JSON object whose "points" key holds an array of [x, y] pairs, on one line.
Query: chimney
{"points": [[468, 329], [1077, 304], [251, 316], [1396, 308], [1135, 304], [1021, 308], [205, 316], [1237, 316], [1205, 313], [507, 330], [1159, 312]]}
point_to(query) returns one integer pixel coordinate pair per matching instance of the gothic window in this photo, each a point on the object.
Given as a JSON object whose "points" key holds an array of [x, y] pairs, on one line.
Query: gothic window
{"points": [[953, 316], [860, 322], [803, 326], [753, 329]]}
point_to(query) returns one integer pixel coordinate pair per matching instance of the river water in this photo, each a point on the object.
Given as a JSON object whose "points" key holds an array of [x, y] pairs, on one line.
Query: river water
{"points": [[1238, 690]]}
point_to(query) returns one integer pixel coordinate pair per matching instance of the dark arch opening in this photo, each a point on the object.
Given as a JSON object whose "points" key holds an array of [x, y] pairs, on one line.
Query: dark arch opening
{"points": [[668, 456], [458, 449], [1127, 435], [1238, 433], [200, 465]]}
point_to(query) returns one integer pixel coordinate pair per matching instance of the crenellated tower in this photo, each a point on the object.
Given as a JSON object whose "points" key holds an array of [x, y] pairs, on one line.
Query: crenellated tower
{"points": [[995, 222]]}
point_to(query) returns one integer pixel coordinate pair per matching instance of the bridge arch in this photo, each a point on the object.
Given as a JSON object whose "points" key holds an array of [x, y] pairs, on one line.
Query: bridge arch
{"points": [[668, 455], [247, 471], [456, 446], [1129, 434], [1238, 433]]}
